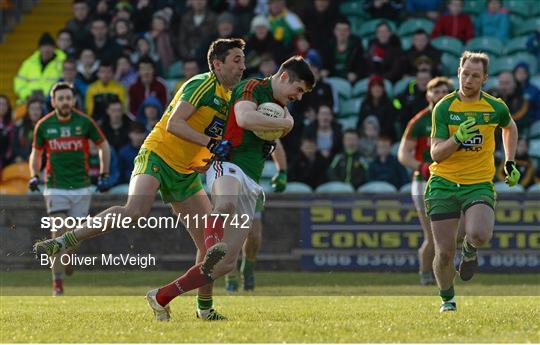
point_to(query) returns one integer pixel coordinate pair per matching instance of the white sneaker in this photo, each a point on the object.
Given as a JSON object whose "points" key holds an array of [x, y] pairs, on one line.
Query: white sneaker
{"points": [[161, 313]]}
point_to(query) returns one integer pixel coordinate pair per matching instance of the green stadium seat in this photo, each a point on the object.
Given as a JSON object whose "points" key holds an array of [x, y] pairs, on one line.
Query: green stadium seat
{"points": [[528, 27], [348, 122], [406, 188], [335, 187], [529, 59], [298, 187], [175, 70], [490, 84], [121, 189], [401, 85], [450, 64], [408, 27], [474, 7], [520, 7], [455, 81], [171, 83], [266, 185], [350, 107], [508, 63], [535, 188], [269, 169], [534, 130], [535, 80], [515, 23], [341, 85], [377, 187], [368, 28], [448, 44], [360, 87], [534, 148], [406, 42], [485, 44], [353, 8], [516, 45], [501, 187]]}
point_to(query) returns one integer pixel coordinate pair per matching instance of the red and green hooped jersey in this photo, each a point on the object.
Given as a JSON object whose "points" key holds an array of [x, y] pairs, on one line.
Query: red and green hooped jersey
{"points": [[66, 146], [419, 130], [247, 150]]}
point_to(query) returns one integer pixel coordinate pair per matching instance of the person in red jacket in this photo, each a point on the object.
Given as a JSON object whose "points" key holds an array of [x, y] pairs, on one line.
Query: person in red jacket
{"points": [[146, 85], [454, 23]]}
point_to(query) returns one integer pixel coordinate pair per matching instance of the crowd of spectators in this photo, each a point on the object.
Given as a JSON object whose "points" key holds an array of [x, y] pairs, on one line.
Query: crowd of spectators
{"points": [[126, 59]]}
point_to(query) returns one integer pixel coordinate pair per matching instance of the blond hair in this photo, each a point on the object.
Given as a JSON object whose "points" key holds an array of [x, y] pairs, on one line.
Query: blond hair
{"points": [[475, 57], [439, 81]]}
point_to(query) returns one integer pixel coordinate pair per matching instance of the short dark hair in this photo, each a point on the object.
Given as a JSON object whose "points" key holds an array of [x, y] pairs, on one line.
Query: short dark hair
{"points": [[342, 20], [106, 63], [384, 137], [69, 61], [61, 86], [420, 31], [137, 127], [350, 131], [146, 60], [298, 70], [67, 31], [219, 49]]}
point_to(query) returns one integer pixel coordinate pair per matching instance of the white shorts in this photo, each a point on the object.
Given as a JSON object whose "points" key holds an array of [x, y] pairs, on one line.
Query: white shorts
{"points": [[249, 189], [72, 202], [418, 188]]}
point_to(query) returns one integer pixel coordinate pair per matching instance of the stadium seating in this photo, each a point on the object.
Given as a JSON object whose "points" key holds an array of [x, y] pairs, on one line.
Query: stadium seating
{"points": [[298, 187], [335, 187], [501, 187], [342, 86], [485, 44], [401, 85], [408, 27], [406, 188], [516, 45], [450, 64], [121, 189], [361, 86], [535, 188], [448, 44], [535, 80], [534, 139], [266, 184], [16, 171], [520, 7], [175, 70], [14, 186], [348, 122], [377, 187], [269, 169], [352, 8], [350, 107], [406, 42], [368, 28], [491, 84], [474, 7], [528, 27]]}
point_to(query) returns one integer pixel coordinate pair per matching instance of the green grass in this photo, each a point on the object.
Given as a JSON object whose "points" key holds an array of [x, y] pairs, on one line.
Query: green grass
{"points": [[286, 307]]}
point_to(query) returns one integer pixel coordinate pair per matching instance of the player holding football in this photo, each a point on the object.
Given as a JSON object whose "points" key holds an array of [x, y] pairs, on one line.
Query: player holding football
{"points": [[462, 147], [414, 153], [233, 181], [63, 134], [183, 141]]}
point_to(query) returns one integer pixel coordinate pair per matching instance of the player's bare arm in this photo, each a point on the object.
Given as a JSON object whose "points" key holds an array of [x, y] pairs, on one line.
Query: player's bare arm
{"points": [[510, 138], [104, 157], [442, 148], [249, 118], [279, 156], [35, 161], [178, 125], [406, 153]]}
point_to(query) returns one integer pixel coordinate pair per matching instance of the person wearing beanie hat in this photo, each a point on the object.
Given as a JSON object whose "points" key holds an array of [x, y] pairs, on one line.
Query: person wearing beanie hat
{"points": [[261, 42], [40, 70]]}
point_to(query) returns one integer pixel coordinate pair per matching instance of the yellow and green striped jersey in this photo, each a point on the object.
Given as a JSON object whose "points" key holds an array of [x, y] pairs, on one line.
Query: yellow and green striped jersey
{"points": [[473, 162], [210, 99]]}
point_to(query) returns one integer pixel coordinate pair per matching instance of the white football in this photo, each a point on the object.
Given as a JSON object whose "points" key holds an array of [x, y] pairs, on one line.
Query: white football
{"points": [[272, 110]]}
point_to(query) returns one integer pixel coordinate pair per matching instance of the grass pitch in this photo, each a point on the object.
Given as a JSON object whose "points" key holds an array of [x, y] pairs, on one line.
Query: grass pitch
{"points": [[286, 307]]}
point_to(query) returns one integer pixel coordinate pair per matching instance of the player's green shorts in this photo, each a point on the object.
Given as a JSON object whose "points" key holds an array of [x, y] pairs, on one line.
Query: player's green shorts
{"points": [[446, 199], [173, 186]]}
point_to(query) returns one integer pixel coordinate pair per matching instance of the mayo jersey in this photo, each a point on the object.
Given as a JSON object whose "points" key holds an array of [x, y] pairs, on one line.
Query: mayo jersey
{"points": [[419, 129], [210, 99], [473, 162]]}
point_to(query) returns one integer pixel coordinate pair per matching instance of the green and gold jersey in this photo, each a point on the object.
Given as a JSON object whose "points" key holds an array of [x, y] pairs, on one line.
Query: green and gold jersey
{"points": [[66, 145], [210, 99], [248, 149], [473, 162]]}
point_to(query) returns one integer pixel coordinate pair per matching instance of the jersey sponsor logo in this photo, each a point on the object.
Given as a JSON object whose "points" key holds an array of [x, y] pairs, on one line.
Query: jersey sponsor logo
{"points": [[65, 131], [78, 130], [215, 128], [455, 117], [56, 145], [487, 117], [474, 144], [52, 131]]}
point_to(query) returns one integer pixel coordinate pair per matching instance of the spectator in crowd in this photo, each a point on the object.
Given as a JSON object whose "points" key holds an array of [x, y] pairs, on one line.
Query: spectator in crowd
{"points": [[143, 9], [123, 35], [87, 67], [102, 10], [428, 8], [6, 132], [125, 74], [128, 152], [116, 125], [385, 166], [378, 104], [422, 48], [80, 24], [105, 49], [385, 9], [24, 131], [385, 57], [123, 11], [160, 38], [285, 24], [493, 22], [146, 85], [320, 19], [413, 99], [533, 45], [143, 48], [190, 68], [260, 42], [512, 94], [64, 42], [524, 163], [150, 112], [267, 67], [532, 93], [196, 24], [41, 70], [69, 75], [225, 29], [349, 166], [454, 23], [242, 10], [302, 47], [326, 132], [309, 165], [369, 134], [103, 91], [344, 54]]}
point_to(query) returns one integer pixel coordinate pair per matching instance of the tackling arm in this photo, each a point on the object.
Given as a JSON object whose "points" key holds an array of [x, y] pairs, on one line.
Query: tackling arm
{"points": [[178, 125], [249, 118]]}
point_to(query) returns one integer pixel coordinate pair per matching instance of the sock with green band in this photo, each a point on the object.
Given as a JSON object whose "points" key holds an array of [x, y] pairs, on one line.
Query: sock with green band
{"points": [[247, 267], [467, 249], [231, 278], [447, 295], [204, 302], [69, 240]]}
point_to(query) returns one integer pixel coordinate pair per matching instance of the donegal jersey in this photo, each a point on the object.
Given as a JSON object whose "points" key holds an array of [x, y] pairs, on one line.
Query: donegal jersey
{"points": [[248, 149], [473, 162], [66, 145], [418, 129], [210, 99]]}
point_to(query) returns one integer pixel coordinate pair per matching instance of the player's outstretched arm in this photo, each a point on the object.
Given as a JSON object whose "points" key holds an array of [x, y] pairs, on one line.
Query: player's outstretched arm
{"points": [[178, 125], [510, 139], [249, 118]]}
